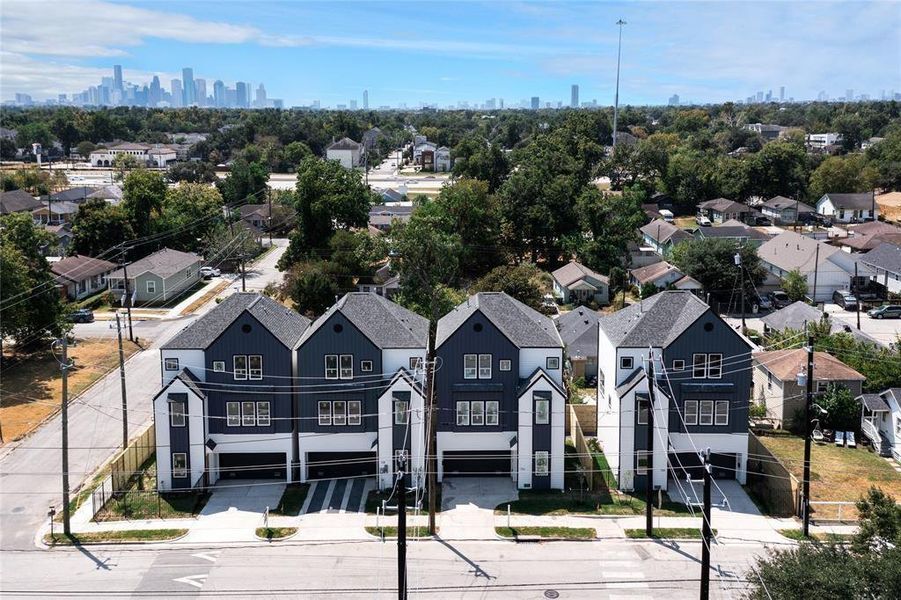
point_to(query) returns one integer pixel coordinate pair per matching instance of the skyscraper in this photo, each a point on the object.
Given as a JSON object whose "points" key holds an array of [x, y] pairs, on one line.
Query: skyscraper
{"points": [[219, 93], [261, 97], [241, 94], [117, 77], [365, 99], [187, 78], [781, 93], [535, 103], [178, 97], [674, 100], [353, 105], [200, 92], [574, 96], [155, 93]]}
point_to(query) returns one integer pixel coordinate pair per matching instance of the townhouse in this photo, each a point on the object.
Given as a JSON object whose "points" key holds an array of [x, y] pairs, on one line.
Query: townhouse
{"points": [[500, 393], [700, 388]]}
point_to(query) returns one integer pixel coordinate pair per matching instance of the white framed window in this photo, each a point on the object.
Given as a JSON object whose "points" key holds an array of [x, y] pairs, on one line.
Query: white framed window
{"points": [[706, 416], [505, 364], [698, 366], [691, 412], [354, 412], [233, 414], [470, 366], [239, 366], [347, 366], [642, 461], [366, 366], [170, 364], [552, 363], [626, 362], [255, 366], [542, 408], [151, 286], [331, 366], [263, 415], [179, 465], [248, 414], [678, 365], [714, 366], [643, 404], [339, 412], [721, 414], [462, 413], [492, 412], [484, 366], [176, 413], [325, 412], [401, 412], [415, 363], [477, 412], [822, 387], [218, 366], [542, 463]]}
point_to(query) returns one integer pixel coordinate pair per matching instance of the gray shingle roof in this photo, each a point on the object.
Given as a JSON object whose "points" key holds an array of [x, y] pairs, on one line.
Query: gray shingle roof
{"points": [[75, 194], [573, 272], [793, 316], [724, 205], [579, 332], [191, 381], [384, 323], [657, 321], [781, 202], [524, 326], [163, 262], [539, 373], [732, 231], [78, 267], [852, 201], [17, 201], [661, 231], [884, 256], [282, 322], [344, 144], [873, 402]]}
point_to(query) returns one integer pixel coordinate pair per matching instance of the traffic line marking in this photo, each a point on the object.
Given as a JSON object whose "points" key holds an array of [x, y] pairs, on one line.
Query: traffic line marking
{"points": [[195, 580], [210, 556]]}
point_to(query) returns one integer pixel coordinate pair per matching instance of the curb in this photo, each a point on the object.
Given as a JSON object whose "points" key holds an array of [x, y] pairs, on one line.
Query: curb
{"points": [[44, 546]]}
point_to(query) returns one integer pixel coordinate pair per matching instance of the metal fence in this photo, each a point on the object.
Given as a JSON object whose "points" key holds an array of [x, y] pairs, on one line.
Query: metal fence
{"points": [[123, 468]]}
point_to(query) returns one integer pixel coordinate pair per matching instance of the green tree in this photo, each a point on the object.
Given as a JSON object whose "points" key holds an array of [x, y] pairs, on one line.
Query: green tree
{"points": [[879, 522], [476, 158], [34, 133], [842, 410], [246, 183], [142, 199], [310, 287], [647, 290], [608, 223], [123, 164], [85, 148], [795, 285], [780, 168], [885, 159], [712, 262], [8, 149], [98, 226], [188, 214], [837, 174], [522, 282], [294, 154]]}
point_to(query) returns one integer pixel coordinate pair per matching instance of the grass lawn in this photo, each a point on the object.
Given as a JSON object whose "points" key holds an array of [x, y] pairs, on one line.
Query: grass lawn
{"points": [[206, 297], [670, 533], [391, 532], [836, 474], [101, 537], [31, 385], [275, 533], [292, 500], [798, 536], [549, 502], [569, 533], [171, 302]]}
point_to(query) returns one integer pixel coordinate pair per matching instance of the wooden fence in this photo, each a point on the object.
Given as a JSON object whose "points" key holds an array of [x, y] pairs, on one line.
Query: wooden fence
{"points": [[123, 468], [586, 414], [770, 481]]}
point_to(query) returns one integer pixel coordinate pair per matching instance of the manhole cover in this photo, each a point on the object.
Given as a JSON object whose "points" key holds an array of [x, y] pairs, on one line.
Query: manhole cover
{"points": [[551, 594]]}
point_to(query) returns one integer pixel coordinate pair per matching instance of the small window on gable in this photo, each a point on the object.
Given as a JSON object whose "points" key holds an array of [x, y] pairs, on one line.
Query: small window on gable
{"points": [[505, 364], [415, 363], [365, 366], [218, 366], [171, 364], [552, 363], [678, 365], [626, 362]]}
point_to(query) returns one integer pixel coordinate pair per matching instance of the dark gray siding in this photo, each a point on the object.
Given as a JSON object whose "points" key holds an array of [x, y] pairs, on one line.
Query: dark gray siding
{"points": [[314, 387], [642, 433], [710, 334], [248, 336], [541, 440], [503, 385], [179, 439]]}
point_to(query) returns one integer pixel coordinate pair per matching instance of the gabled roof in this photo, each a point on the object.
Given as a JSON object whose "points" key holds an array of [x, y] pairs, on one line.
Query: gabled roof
{"points": [[654, 271], [58, 207], [851, 201], [634, 378], [654, 322], [731, 231], [781, 202], [282, 322], [190, 381], [884, 256], [17, 201], [404, 374], [78, 267], [867, 236], [573, 271], [874, 402], [525, 327], [107, 192], [538, 373], [793, 316], [579, 332], [75, 194], [790, 251], [344, 144], [163, 262], [786, 364], [384, 323], [724, 205], [661, 231], [247, 210]]}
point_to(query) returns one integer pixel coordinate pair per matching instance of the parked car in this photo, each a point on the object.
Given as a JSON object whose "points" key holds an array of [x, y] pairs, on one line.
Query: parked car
{"points": [[886, 311], [82, 315], [779, 299], [209, 272], [666, 215], [702, 221], [764, 302], [845, 299], [762, 221]]}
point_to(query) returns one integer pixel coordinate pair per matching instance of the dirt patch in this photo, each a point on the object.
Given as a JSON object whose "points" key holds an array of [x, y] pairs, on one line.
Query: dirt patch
{"points": [[216, 289], [31, 386], [890, 205]]}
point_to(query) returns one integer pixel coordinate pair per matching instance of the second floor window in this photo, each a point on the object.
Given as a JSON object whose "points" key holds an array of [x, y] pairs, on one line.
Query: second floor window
{"points": [[255, 363], [542, 408], [626, 362], [463, 413], [401, 412], [470, 366], [248, 414], [552, 363], [239, 366], [331, 366], [707, 366], [340, 412], [347, 366], [484, 366], [177, 414], [170, 364]]}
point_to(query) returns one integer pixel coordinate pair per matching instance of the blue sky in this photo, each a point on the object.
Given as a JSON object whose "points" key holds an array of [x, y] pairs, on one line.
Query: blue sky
{"points": [[440, 53]]}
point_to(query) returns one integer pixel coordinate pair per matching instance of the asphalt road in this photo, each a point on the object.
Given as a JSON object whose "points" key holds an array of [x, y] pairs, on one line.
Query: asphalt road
{"points": [[30, 480], [436, 569]]}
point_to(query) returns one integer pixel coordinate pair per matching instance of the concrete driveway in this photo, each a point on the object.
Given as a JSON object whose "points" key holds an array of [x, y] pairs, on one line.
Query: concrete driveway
{"points": [[467, 506], [235, 510]]}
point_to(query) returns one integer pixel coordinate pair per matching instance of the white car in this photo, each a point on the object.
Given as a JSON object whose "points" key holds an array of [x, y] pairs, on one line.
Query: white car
{"points": [[702, 221], [209, 272]]}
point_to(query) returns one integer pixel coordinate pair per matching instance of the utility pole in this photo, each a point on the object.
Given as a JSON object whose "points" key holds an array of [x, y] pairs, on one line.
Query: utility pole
{"points": [[619, 49], [649, 491], [808, 398], [854, 289], [122, 382], [64, 367], [243, 273], [816, 268], [741, 272], [431, 460], [401, 527], [269, 197], [131, 335], [706, 531]]}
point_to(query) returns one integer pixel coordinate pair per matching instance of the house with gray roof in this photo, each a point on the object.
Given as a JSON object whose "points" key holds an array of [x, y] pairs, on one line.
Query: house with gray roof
{"points": [[81, 276], [158, 277], [579, 332], [500, 393], [738, 233], [720, 210], [699, 392], [76, 194], [346, 151], [783, 210], [55, 212], [226, 408], [15, 201], [848, 208], [662, 236], [574, 282], [885, 261]]}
